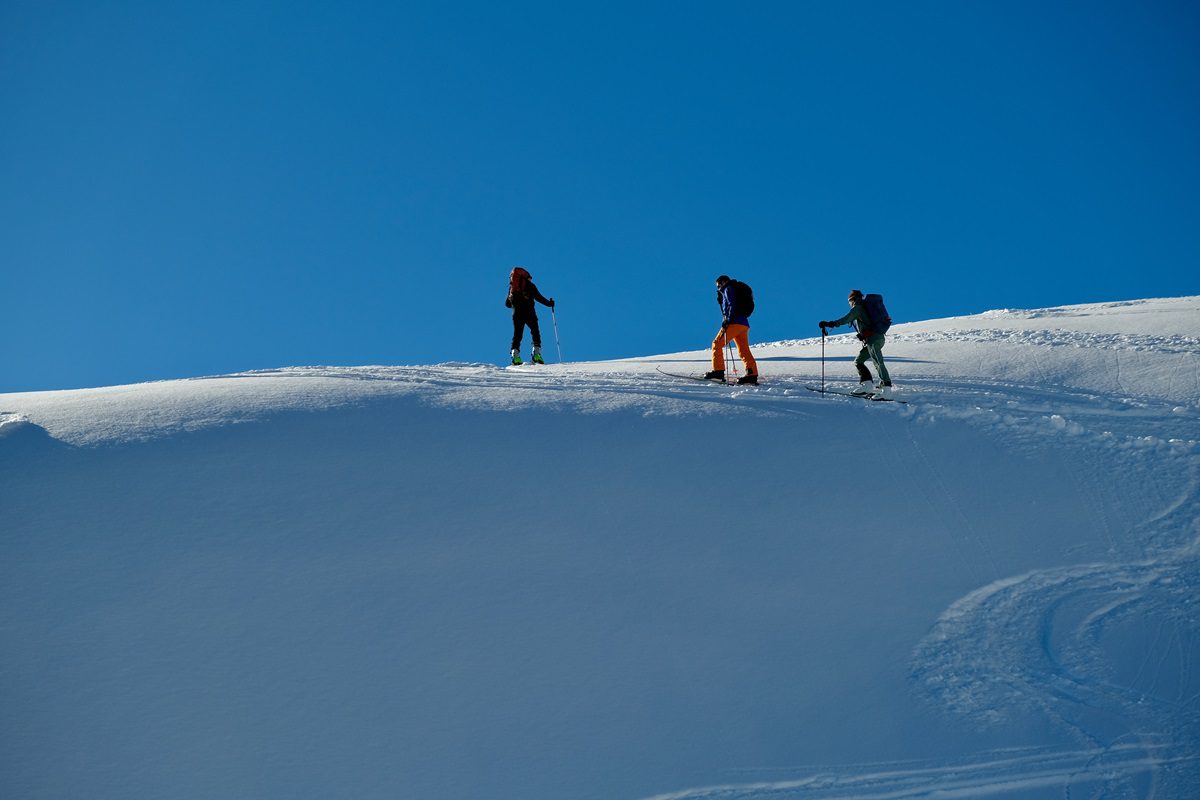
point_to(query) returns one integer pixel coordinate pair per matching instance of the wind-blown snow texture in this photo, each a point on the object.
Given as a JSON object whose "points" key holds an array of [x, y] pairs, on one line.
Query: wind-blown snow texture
{"points": [[591, 581]]}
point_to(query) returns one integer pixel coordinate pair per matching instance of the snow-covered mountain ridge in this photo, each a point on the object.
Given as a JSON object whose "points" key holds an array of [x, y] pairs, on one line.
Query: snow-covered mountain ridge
{"points": [[1143, 350], [596, 581]]}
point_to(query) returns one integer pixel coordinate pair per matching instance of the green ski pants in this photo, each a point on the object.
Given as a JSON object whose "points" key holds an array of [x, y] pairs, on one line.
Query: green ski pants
{"points": [[873, 349]]}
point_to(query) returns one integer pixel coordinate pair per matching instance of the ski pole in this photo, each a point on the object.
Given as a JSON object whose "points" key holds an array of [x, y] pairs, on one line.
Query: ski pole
{"points": [[557, 343], [822, 361], [729, 346]]}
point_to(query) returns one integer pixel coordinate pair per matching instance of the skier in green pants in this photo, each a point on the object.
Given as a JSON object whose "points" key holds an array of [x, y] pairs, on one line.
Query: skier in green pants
{"points": [[872, 341]]}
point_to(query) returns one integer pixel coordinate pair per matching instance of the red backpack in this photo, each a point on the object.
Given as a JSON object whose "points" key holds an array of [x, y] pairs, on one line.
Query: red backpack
{"points": [[518, 281]]}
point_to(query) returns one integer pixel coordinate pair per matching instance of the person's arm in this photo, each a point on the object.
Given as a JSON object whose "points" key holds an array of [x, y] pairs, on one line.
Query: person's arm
{"points": [[726, 295], [837, 323], [533, 291]]}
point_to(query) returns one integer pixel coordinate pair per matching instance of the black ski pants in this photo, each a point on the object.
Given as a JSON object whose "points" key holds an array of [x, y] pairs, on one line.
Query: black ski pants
{"points": [[520, 320]]}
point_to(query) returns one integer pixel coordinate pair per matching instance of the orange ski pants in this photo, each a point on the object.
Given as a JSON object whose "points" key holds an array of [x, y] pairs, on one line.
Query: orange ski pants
{"points": [[740, 334]]}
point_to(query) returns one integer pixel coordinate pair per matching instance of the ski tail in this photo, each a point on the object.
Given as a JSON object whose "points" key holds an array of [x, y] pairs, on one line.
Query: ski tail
{"points": [[691, 377]]}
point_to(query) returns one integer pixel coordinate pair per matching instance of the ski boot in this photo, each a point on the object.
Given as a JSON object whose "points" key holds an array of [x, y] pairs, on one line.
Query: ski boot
{"points": [[516, 357], [749, 379], [866, 382], [715, 375], [884, 389], [537, 356]]}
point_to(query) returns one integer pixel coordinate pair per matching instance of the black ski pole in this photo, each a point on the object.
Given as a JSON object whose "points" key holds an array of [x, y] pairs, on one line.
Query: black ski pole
{"points": [[822, 361], [729, 346]]}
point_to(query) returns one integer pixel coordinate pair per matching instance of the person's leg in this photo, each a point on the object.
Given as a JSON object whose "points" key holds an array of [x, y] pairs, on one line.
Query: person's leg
{"points": [[741, 338], [875, 346], [860, 364], [718, 351], [518, 331], [535, 333]]}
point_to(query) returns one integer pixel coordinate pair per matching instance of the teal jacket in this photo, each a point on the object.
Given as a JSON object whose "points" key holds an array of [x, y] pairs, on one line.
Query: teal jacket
{"points": [[859, 319]]}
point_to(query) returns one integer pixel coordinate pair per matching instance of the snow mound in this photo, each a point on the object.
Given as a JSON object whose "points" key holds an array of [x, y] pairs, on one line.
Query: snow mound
{"points": [[10, 421]]}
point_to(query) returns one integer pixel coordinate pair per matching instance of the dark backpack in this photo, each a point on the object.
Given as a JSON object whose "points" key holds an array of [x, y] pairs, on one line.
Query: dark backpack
{"points": [[743, 299], [877, 312]]}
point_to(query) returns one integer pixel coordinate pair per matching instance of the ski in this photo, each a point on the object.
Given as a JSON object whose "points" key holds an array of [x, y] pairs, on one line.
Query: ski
{"points": [[868, 396], [693, 377]]}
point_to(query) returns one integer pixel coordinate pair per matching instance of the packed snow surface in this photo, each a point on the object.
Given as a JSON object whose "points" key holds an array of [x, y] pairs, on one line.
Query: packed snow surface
{"points": [[594, 580]]}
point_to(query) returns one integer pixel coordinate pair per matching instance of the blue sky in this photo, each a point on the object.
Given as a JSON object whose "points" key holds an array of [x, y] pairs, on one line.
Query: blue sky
{"points": [[199, 188]]}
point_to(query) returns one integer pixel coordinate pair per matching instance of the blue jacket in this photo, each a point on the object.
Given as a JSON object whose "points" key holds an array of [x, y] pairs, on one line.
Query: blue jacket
{"points": [[725, 301]]}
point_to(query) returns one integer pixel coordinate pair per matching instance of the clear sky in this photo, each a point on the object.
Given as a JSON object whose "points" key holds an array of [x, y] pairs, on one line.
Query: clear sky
{"points": [[199, 188]]}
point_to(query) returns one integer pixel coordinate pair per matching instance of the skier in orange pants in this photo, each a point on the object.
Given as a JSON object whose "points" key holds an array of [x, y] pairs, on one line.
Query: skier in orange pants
{"points": [[737, 304]]}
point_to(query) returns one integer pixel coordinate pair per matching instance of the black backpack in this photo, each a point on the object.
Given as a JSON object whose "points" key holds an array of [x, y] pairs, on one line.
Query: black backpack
{"points": [[877, 312], [743, 299]]}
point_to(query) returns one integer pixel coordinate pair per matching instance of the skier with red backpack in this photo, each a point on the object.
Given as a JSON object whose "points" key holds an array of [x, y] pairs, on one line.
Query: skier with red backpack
{"points": [[870, 318], [521, 294], [736, 300]]}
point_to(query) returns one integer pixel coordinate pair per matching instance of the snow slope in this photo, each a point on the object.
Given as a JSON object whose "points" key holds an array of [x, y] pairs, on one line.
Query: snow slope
{"points": [[594, 581]]}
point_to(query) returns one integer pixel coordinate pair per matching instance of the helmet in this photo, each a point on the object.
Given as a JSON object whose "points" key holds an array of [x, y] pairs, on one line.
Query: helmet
{"points": [[855, 295]]}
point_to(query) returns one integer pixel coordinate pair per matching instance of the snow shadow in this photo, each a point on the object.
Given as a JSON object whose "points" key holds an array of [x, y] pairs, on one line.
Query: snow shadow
{"points": [[397, 599], [21, 439]]}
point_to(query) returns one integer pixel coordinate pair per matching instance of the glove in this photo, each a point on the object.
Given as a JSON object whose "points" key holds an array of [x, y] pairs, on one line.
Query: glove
{"points": [[552, 302], [508, 302], [724, 324], [824, 324]]}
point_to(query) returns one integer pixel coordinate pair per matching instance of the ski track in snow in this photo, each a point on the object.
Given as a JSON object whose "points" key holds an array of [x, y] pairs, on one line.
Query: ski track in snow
{"points": [[1085, 772], [1045, 337], [1035, 642], [1062, 338]]}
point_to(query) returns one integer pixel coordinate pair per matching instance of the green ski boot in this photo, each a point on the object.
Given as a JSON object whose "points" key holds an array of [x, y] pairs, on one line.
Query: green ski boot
{"points": [[537, 357], [516, 357]]}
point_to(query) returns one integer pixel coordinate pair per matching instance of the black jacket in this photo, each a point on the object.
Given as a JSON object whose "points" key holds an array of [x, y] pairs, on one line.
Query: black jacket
{"points": [[522, 302]]}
